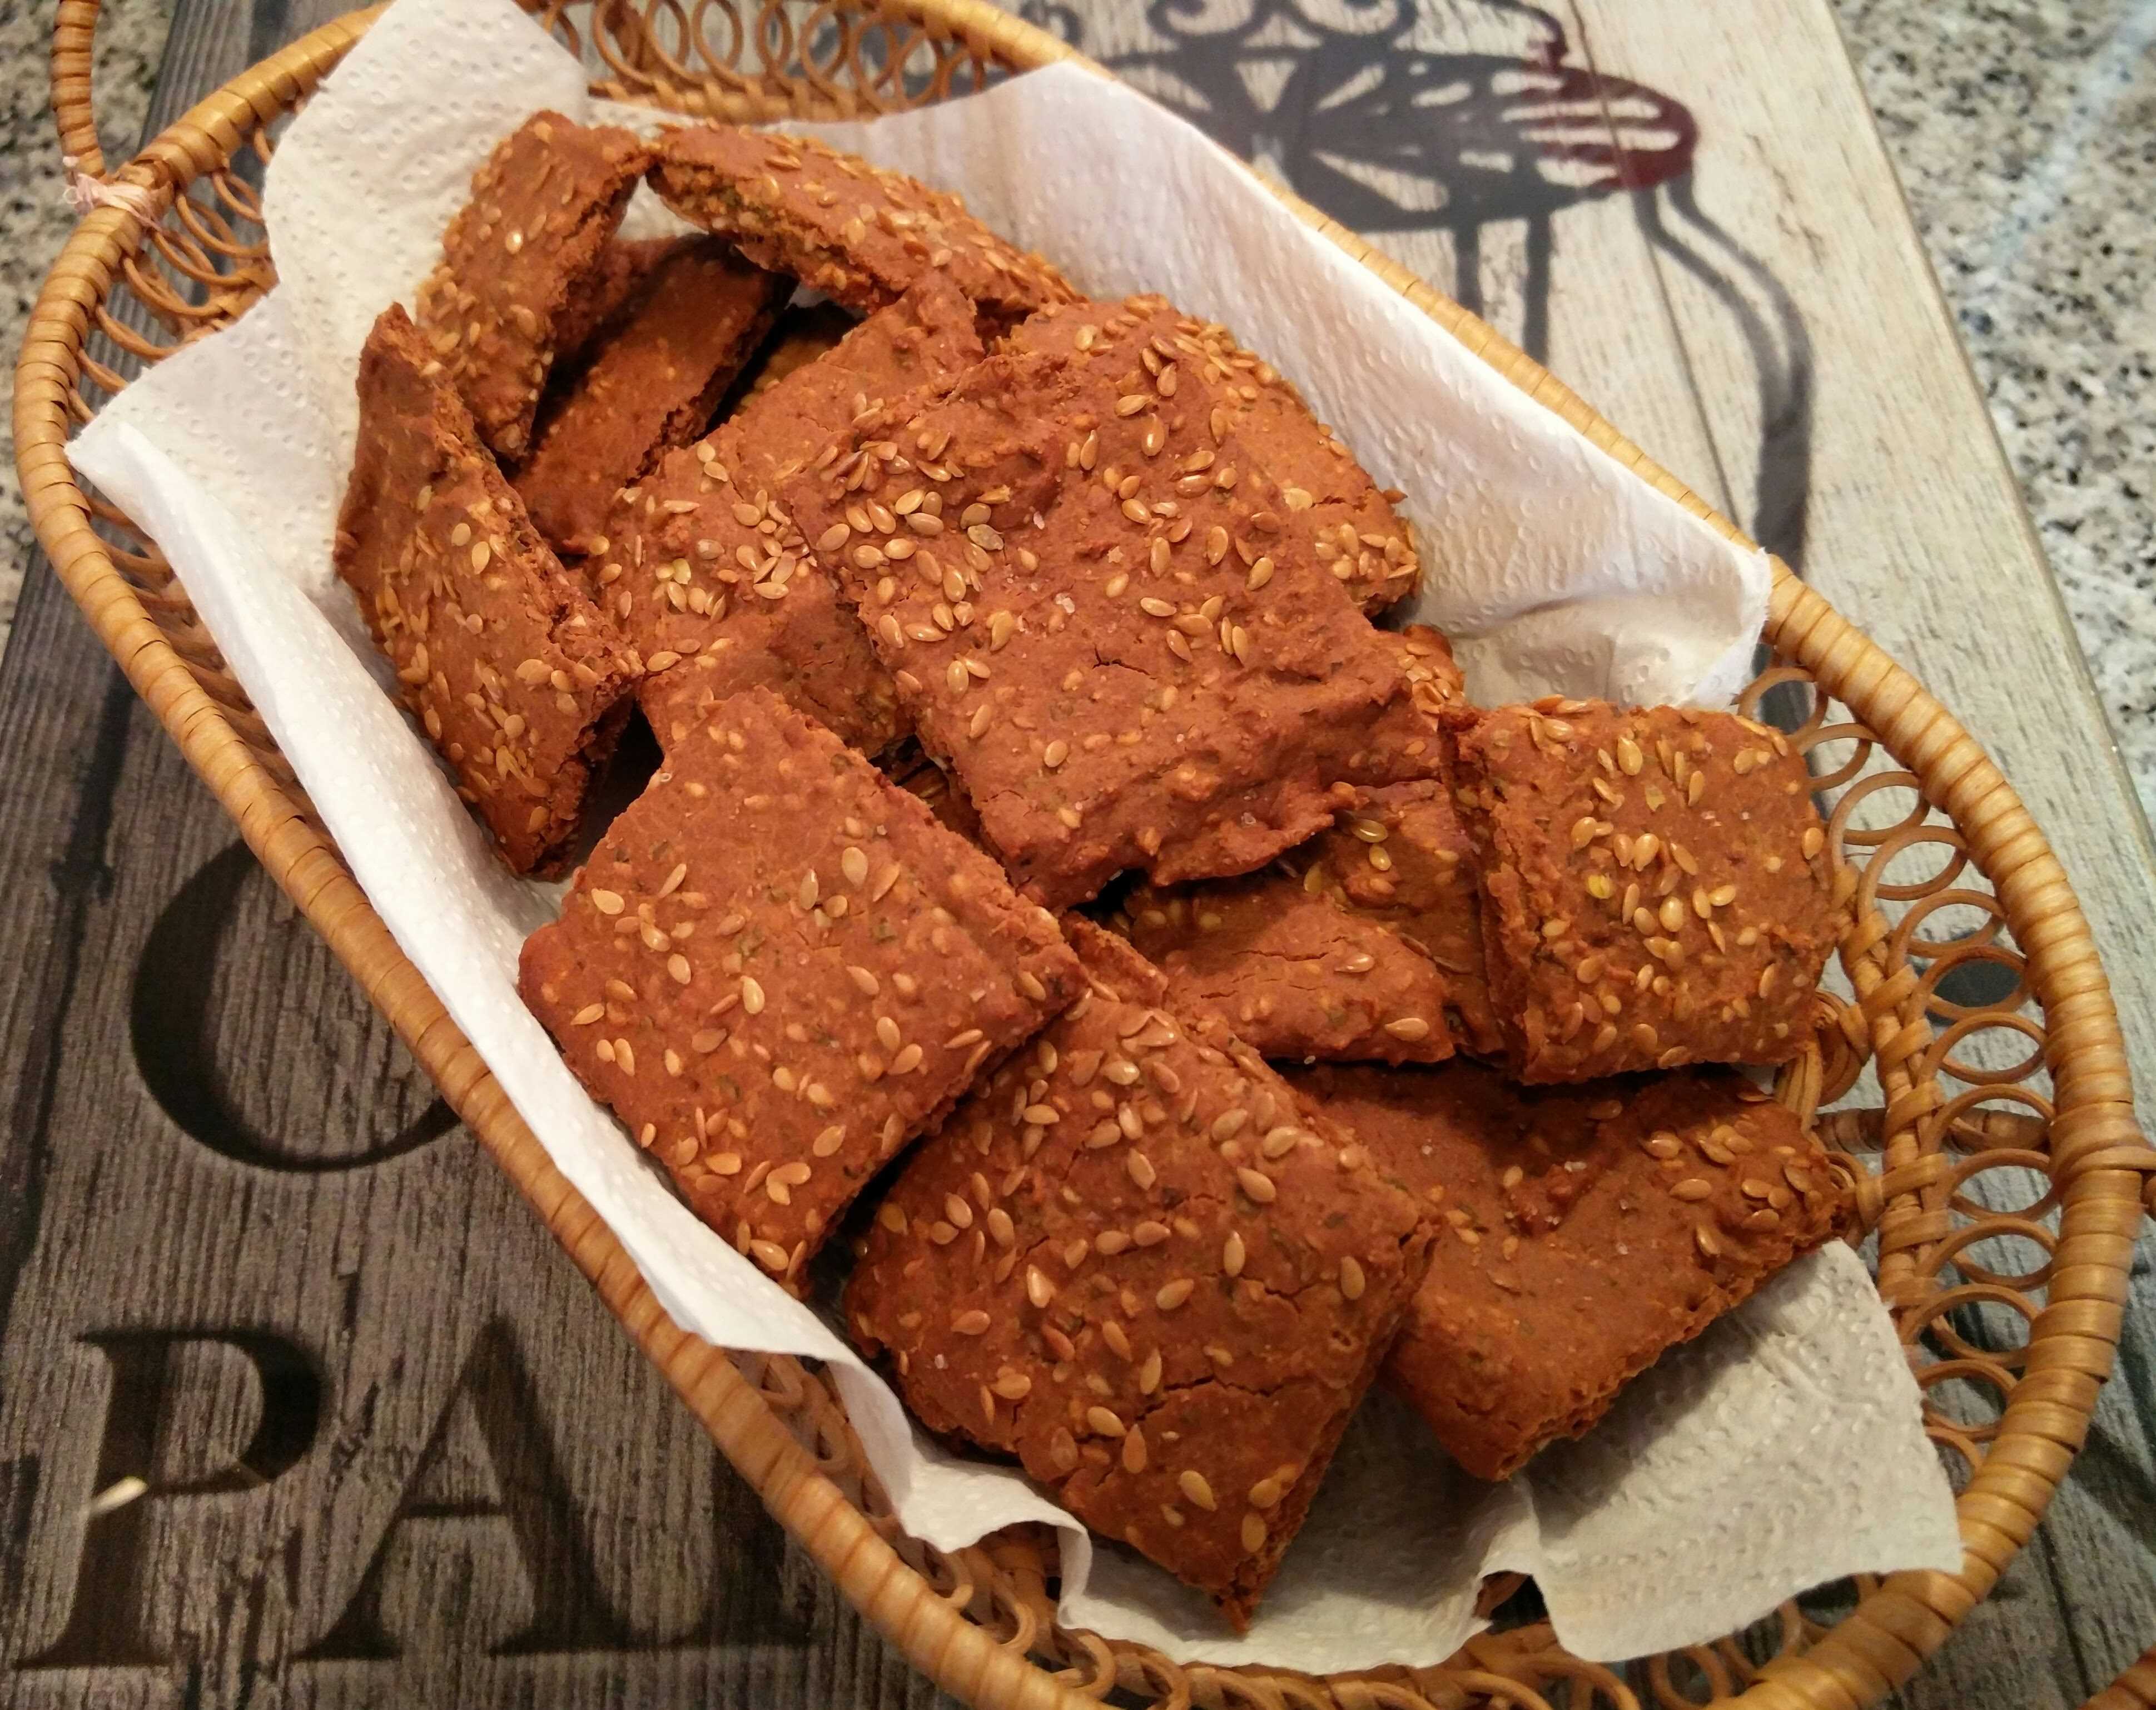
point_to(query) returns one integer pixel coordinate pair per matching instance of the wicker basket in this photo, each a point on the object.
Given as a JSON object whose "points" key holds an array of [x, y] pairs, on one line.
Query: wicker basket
{"points": [[173, 249]]}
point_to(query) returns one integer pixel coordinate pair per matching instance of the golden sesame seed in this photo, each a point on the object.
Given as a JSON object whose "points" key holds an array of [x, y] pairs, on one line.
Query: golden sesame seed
{"points": [[1231, 1254], [1254, 1532], [1258, 1185], [1104, 1422], [1193, 1484], [1352, 1281]]}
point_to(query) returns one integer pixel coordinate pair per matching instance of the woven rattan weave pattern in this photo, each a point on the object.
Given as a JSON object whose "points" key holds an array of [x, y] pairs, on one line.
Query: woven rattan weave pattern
{"points": [[1968, 1062]]}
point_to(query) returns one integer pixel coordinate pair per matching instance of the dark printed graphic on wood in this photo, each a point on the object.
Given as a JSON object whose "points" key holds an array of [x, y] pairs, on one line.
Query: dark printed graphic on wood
{"points": [[1410, 115]]}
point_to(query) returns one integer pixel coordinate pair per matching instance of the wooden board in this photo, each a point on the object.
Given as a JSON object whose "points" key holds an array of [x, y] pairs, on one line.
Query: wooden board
{"points": [[395, 1451]]}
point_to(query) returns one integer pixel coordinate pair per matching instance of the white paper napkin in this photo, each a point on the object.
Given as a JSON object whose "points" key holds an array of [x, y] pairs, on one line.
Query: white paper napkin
{"points": [[1783, 1448]]}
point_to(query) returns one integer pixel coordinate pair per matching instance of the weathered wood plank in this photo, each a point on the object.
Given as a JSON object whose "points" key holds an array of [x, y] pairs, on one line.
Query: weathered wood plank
{"points": [[487, 1490]]}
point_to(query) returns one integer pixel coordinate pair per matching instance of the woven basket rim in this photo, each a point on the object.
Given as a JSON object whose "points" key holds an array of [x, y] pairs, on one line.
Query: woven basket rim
{"points": [[2098, 1156]]}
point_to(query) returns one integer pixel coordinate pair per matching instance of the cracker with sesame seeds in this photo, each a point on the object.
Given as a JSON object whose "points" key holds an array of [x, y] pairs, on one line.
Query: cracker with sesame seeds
{"points": [[1124, 660], [776, 968], [1584, 1230], [1364, 944], [1655, 885], [1294, 974], [1326, 954], [701, 565], [1133, 1260], [1299, 465], [525, 266], [510, 669], [855, 231], [623, 271], [650, 383]]}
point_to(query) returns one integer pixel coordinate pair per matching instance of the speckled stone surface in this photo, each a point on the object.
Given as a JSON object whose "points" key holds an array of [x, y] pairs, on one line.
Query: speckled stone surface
{"points": [[2025, 133], [34, 216]]}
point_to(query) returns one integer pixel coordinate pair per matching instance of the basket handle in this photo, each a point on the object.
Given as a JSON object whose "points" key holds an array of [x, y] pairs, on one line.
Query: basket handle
{"points": [[75, 38], [74, 113]]}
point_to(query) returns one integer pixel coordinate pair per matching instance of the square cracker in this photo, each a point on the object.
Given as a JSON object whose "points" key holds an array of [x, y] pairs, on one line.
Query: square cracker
{"points": [[1655, 885], [1126, 660], [515, 677], [1585, 1230], [522, 263], [1133, 1261], [776, 968]]}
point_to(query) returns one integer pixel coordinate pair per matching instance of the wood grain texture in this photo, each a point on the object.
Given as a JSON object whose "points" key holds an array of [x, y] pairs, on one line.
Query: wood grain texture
{"points": [[398, 1453]]}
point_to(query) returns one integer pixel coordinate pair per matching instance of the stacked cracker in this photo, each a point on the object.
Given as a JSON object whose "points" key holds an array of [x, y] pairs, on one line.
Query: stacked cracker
{"points": [[1095, 588]]}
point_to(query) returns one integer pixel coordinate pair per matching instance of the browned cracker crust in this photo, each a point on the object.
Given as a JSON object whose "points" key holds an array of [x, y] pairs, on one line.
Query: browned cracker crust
{"points": [[777, 967], [520, 263], [1655, 885], [1585, 1230], [1132, 1260], [514, 675]]}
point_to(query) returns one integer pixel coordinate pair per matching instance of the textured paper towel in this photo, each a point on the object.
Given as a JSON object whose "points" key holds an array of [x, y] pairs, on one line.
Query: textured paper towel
{"points": [[1783, 1448]]}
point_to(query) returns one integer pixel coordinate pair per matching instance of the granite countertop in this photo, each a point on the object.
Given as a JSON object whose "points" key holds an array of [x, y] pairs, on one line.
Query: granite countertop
{"points": [[2025, 137]]}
